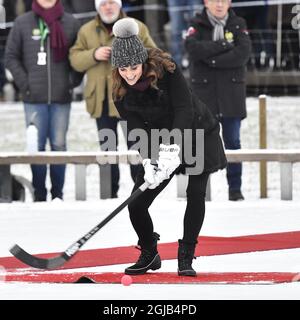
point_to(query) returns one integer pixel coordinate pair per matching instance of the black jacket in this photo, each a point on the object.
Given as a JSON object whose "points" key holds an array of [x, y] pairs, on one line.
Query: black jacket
{"points": [[217, 68], [80, 7], [52, 83], [172, 106]]}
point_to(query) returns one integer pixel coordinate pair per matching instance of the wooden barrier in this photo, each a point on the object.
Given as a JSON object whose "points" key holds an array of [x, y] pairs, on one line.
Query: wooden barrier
{"points": [[286, 158], [80, 159], [263, 145]]}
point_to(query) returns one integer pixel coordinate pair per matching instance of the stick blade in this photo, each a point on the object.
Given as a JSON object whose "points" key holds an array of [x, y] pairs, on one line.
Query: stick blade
{"points": [[85, 279], [36, 262]]}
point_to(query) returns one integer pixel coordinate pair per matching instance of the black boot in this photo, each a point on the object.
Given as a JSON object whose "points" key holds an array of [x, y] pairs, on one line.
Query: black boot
{"points": [[149, 259], [156, 237], [235, 195], [185, 258]]}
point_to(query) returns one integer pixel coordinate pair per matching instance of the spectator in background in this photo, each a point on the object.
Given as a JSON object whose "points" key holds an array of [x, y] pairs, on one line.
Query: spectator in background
{"points": [[219, 47], [10, 15], [86, 8], [260, 33], [80, 6], [10, 11], [91, 54], [290, 42], [37, 56], [2, 75], [2, 70], [180, 12], [134, 9], [28, 4]]}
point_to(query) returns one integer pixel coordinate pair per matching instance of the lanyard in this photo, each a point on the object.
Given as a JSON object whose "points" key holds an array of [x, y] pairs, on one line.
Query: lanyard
{"points": [[44, 32]]}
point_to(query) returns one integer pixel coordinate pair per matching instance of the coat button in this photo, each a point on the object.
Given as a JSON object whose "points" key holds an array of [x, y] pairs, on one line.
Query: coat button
{"points": [[205, 80], [237, 27], [233, 79], [224, 44]]}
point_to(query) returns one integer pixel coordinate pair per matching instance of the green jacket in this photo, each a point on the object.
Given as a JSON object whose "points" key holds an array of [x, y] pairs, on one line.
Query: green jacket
{"points": [[91, 36]]}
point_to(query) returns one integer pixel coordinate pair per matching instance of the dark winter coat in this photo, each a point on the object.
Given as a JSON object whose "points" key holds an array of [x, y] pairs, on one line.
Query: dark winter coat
{"points": [[172, 106], [217, 68], [10, 15], [80, 6], [52, 83]]}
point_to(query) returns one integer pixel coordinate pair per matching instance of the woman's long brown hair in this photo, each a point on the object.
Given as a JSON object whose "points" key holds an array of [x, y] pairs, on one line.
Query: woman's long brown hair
{"points": [[157, 64]]}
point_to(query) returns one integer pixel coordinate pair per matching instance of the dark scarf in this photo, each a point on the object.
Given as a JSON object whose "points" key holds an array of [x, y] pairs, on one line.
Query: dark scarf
{"points": [[143, 84], [58, 40], [109, 27]]}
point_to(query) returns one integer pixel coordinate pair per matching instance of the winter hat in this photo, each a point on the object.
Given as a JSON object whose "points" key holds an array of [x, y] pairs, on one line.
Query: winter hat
{"points": [[127, 48], [99, 2]]}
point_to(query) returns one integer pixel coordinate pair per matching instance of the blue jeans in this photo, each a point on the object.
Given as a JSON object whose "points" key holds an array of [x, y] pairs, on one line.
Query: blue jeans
{"points": [[179, 18], [231, 137], [52, 122]]}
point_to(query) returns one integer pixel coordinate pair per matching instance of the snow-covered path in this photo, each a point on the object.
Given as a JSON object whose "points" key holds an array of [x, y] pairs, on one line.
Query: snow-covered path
{"points": [[54, 226]]}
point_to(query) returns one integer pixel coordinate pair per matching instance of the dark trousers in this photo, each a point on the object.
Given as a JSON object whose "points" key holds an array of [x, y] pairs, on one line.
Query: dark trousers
{"points": [[2, 71], [231, 137], [194, 213], [107, 122]]}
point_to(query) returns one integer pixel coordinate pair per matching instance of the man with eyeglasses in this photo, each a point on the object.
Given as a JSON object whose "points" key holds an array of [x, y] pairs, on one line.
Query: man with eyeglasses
{"points": [[219, 47]]}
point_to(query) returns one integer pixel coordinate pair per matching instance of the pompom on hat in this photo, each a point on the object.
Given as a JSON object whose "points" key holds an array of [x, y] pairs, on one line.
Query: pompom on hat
{"points": [[127, 48]]}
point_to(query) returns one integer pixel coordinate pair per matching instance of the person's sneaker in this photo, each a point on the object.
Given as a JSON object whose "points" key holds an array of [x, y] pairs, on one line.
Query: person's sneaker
{"points": [[148, 260], [236, 195]]}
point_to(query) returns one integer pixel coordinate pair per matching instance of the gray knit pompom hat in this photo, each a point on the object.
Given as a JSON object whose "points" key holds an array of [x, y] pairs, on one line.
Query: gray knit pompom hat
{"points": [[127, 48]]}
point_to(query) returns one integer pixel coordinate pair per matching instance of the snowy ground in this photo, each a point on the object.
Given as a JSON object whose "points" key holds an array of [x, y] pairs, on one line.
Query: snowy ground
{"points": [[53, 226]]}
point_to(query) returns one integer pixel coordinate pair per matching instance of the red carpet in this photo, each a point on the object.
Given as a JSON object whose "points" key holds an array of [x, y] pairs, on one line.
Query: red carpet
{"points": [[161, 278], [208, 246]]}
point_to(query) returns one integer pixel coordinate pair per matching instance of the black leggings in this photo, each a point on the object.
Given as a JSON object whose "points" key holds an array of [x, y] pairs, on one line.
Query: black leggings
{"points": [[194, 213]]}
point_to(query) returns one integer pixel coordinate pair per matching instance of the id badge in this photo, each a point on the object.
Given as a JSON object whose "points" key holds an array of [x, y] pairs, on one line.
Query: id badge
{"points": [[42, 58]]}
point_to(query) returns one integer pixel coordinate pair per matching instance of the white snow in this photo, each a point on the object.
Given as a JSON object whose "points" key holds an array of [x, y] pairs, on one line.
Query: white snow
{"points": [[53, 226]]}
